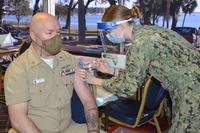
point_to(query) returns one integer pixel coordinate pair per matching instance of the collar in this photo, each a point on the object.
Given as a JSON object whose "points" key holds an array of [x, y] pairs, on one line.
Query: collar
{"points": [[34, 59]]}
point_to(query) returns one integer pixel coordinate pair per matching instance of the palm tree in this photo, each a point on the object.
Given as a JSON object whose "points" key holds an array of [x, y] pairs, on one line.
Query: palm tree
{"points": [[70, 7], [166, 11], [81, 20], [1, 12], [174, 11], [146, 8], [36, 7], [188, 6]]}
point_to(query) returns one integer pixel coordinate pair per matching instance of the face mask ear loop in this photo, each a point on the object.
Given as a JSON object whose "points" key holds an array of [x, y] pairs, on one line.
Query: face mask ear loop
{"points": [[40, 46], [40, 51]]}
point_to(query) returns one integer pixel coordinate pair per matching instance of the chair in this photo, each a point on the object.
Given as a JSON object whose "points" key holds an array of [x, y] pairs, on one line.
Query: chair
{"points": [[133, 113]]}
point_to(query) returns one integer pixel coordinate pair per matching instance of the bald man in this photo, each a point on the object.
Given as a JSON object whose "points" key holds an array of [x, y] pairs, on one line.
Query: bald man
{"points": [[39, 83]]}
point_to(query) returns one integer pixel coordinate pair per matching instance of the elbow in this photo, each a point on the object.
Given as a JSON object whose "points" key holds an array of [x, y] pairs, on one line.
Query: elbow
{"points": [[15, 124], [18, 122]]}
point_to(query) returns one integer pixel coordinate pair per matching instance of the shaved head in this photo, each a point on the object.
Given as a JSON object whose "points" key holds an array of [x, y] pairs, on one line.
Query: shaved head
{"points": [[43, 26], [39, 21]]}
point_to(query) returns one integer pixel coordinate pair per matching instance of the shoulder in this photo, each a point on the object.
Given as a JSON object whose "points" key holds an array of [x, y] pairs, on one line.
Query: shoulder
{"points": [[67, 57], [146, 30], [20, 61], [66, 54], [20, 65], [157, 36]]}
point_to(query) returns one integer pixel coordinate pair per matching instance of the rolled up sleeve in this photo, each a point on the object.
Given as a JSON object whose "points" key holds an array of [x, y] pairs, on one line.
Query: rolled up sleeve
{"points": [[15, 85]]}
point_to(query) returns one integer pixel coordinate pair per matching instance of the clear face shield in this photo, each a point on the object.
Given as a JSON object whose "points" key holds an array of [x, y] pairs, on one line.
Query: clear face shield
{"points": [[107, 36], [106, 33], [103, 28]]}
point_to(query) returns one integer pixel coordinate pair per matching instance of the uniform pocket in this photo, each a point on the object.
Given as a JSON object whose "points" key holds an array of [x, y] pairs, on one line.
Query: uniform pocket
{"points": [[68, 82], [68, 79], [39, 95]]}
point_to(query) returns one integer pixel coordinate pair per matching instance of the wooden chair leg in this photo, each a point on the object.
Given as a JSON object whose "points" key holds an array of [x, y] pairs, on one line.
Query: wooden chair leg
{"points": [[157, 125]]}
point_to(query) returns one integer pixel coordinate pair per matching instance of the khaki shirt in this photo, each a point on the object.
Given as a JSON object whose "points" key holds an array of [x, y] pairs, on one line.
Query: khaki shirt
{"points": [[47, 91]]}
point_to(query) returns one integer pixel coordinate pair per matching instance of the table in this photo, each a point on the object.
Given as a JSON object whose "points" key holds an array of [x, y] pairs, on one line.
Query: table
{"points": [[9, 51], [7, 55]]}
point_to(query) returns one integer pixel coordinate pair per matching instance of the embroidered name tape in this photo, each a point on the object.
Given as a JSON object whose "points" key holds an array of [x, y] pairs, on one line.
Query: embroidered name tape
{"points": [[38, 81]]}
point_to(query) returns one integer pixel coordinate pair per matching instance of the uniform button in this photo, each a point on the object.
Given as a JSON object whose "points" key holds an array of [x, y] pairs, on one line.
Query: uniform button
{"points": [[57, 85], [59, 99], [33, 62], [40, 91], [60, 57]]}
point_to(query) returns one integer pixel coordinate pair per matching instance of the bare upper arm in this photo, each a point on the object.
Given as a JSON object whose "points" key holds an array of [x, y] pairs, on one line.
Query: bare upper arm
{"points": [[82, 90], [17, 111]]}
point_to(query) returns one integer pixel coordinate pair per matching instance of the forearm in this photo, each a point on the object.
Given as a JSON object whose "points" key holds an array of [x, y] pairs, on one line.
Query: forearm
{"points": [[24, 125], [126, 84], [92, 120]]}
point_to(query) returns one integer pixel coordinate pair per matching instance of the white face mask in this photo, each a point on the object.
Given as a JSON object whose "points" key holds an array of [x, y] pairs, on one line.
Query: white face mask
{"points": [[115, 39]]}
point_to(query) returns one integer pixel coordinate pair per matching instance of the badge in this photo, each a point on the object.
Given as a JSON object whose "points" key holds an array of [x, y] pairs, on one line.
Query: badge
{"points": [[67, 71], [115, 60], [38, 81]]}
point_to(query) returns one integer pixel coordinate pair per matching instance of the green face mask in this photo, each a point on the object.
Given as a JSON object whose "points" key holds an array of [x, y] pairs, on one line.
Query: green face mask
{"points": [[52, 45]]}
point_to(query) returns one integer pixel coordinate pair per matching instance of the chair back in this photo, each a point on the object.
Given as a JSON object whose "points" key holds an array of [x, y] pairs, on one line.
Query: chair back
{"points": [[155, 95], [152, 96]]}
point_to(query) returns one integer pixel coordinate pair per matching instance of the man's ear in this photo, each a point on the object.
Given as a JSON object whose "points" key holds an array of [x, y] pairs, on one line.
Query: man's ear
{"points": [[33, 37]]}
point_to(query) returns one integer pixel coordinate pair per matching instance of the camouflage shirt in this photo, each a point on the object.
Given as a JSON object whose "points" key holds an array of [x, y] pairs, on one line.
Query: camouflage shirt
{"points": [[174, 62]]}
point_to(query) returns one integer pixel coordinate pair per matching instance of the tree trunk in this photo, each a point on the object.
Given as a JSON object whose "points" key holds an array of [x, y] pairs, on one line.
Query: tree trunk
{"points": [[147, 19], [87, 4], [81, 20], [68, 18], [184, 19], [36, 7], [112, 2], [154, 19], [167, 23], [18, 23], [163, 24], [1, 12], [146, 7], [174, 20], [168, 12]]}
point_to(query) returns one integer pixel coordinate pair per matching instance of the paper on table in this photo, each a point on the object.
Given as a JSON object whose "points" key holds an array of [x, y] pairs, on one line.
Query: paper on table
{"points": [[115, 60], [6, 40]]}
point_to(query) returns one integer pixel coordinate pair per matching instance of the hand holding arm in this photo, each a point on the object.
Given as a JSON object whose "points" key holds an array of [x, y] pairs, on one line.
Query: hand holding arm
{"points": [[90, 79], [103, 67]]}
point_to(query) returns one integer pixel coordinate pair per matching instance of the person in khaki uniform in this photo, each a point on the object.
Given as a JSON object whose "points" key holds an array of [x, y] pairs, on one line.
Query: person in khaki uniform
{"points": [[39, 83]]}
